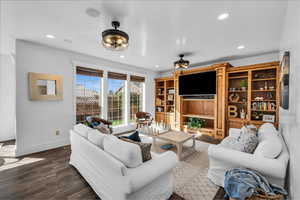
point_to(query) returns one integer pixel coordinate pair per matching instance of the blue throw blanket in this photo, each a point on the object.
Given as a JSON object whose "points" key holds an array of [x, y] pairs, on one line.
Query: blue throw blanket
{"points": [[242, 183]]}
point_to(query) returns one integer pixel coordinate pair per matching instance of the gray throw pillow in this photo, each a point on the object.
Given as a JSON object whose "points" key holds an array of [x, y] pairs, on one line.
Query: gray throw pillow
{"points": [[249, 142], [246, 142]]}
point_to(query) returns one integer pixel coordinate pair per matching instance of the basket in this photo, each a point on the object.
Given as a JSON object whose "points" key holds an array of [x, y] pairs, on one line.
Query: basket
{"points": [[263, 196]]}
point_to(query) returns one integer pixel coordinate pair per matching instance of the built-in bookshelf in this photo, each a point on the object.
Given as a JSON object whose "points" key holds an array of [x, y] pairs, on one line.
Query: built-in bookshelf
{"points": [[238, 94], [202, 109], [264, 94], [165, 100], [258, 101], [244, 95]]}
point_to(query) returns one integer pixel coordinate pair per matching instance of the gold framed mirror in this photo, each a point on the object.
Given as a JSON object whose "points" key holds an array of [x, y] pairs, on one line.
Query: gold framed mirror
{"points": [[45, 87]]}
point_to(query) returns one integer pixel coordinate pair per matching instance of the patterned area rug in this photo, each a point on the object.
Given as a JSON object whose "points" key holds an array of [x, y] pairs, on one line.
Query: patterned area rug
{"points": [[191, 182]]}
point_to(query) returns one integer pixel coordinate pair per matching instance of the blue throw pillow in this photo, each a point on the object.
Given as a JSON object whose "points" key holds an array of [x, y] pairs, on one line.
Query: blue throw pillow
{"points": [[94, 124], [134, 137]]}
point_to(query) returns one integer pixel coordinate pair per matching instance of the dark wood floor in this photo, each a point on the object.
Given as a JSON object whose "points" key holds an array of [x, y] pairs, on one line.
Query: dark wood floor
{"points": [[45, 176]]}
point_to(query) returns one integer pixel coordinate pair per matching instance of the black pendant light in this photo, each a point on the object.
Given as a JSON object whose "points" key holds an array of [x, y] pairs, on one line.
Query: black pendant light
{"points": [[181, 64], [115, 39]]}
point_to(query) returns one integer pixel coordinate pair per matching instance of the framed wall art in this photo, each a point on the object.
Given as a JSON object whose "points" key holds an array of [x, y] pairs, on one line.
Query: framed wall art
{"points": [[284, 80], [44, 87]]}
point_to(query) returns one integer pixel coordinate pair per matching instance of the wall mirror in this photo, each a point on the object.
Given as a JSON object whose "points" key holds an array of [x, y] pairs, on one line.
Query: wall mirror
{"points": [[45, 87]]}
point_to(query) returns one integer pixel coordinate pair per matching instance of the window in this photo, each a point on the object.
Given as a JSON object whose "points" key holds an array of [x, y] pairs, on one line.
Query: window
{"points": [[116, 98], [136, 95], [88, 93]]}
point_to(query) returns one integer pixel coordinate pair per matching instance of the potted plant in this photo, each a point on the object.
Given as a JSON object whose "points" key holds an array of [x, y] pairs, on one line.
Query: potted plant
{"points": [[243, 85], [194, 123]]}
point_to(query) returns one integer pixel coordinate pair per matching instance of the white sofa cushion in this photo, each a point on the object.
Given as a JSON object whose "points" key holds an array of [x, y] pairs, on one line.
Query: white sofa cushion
{"points": [[96, 137], [82, 130], [267, 130], [269, 147], [128, 153]]}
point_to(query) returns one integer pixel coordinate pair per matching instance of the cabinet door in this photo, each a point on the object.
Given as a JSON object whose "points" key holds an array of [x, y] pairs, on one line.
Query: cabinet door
{"points": [[160, 117], [167, 118], [235, 124]]}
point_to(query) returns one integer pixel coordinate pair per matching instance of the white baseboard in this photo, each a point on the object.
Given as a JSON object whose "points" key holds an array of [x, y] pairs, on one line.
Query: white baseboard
{"points": [[7, 138], [40, 147]]}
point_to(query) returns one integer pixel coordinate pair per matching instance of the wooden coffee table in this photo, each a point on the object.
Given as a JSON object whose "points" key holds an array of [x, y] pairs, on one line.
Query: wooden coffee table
{"points": [[176, 138]]}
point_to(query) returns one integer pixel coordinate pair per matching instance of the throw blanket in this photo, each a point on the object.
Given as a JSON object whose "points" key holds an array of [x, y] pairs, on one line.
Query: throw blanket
{"points": [[242, 183]]}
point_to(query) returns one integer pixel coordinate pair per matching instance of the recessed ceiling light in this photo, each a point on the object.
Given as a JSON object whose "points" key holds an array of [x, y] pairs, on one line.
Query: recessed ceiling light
{"points": [[241, 47], [92, 12], [223, 16], [122, 56], [50, 36], [68, 40], [157, 66]]}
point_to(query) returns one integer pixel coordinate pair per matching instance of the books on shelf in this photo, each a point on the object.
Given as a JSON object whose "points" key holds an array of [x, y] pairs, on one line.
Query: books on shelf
{"points": [[263, 106]]}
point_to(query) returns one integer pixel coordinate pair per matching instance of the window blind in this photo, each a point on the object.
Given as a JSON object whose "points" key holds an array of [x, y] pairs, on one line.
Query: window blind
{"points": [[118, 76], [137, 78], [89, 71]]}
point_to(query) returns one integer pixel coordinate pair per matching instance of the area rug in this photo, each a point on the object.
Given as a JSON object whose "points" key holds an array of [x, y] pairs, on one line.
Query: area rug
{"points": [[190, 176]]}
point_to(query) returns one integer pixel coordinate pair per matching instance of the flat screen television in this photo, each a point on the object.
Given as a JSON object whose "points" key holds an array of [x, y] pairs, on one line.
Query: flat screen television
{"points": [[198, 84]]}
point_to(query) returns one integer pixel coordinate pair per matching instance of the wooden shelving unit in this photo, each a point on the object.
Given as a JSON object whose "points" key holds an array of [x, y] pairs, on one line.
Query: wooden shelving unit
{"points": [[165, 100], [258, 99], [212, 111], [262, 95], [200, 116]]}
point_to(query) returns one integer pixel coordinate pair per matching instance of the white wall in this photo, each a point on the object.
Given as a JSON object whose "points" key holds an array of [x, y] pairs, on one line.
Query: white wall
{"points": [[7, 98], [290, 119], [267, 57], [7, 81], [37, 121]]}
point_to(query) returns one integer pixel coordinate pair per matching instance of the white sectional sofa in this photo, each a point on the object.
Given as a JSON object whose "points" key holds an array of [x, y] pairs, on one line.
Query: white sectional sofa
{"points": [[270, 157], [93, 155]]}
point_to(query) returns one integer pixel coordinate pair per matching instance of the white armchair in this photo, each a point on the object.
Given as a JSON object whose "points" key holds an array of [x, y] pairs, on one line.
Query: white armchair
{"points": [[222, 159]]}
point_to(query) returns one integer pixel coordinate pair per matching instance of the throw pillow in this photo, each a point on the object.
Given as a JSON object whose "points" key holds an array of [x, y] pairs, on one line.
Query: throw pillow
{"points": [[251, 129], [269, 148], [267, 130], [246, 142], [135, 137], [145, 148], [82, 129], [128, 153], [232, 143], [95, 137], [103, 128]]}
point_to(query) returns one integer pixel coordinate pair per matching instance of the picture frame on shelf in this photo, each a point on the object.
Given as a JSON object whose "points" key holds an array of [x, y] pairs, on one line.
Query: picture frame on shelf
{"points": [[269, 118]]}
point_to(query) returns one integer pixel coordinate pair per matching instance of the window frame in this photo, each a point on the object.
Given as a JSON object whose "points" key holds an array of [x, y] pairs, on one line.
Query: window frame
{"points": [[142, 103], [104, 91], [124, 104], [83, 71]]}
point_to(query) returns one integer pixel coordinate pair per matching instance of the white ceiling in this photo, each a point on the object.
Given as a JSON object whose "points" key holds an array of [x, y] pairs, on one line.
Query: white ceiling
{"points": [[158, 30]]}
